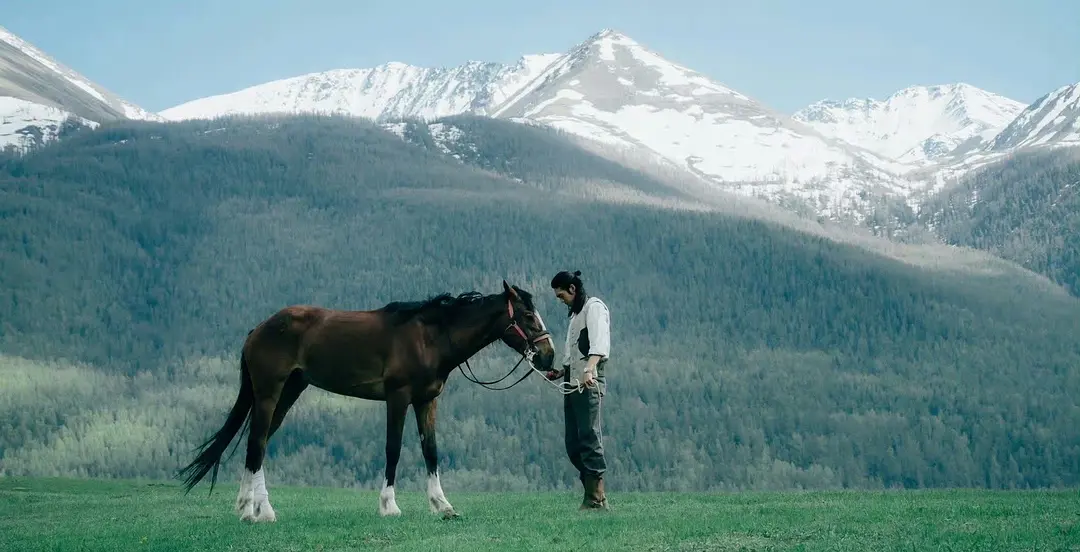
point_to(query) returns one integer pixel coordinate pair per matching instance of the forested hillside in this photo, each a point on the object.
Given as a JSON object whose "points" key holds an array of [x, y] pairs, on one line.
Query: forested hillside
{"points": [[543, 157], [1025, 209], [136, 257]]}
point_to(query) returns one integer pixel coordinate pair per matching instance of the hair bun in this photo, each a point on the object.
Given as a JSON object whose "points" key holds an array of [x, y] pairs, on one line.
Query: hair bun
{"points": [[577, 273]]}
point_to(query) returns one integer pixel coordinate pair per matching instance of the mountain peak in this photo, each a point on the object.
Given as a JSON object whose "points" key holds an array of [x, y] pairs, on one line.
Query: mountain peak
{"points": [[613, 90], [604, 45], [917, 125], [608, 33], [936, 89], [961, 90]]}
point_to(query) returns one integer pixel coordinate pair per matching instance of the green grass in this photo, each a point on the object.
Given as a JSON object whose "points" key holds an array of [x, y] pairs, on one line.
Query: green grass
{"points": [[62, 515]]}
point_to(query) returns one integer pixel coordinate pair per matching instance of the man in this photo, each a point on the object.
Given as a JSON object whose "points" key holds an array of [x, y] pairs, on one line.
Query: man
{"points": [[585, 355]]}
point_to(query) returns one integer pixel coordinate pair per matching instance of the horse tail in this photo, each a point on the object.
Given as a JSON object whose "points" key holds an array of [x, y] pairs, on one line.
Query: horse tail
{"points": [[210, 452]]}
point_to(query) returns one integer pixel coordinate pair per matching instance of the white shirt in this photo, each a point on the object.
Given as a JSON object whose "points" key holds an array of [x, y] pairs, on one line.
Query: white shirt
{"points": [[595, 317]]}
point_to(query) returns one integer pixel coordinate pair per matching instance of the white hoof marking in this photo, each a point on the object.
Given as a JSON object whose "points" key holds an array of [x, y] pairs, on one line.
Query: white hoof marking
{"points": [[388, 502], [436, 499], [245, 497], [253, 501]]}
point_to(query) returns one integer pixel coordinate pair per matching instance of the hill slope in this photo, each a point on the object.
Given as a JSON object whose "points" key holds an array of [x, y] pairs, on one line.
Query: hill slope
{"points": [[748, 354], [33, 75], [1052, 120], [40, 96], [1025, 208]]}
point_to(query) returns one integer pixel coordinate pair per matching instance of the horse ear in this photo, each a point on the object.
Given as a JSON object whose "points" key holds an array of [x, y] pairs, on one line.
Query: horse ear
{"points": [[509, 291]]}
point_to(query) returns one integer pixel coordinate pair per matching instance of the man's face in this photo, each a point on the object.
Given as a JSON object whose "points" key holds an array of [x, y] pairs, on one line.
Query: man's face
{"points": [[566, 296]]}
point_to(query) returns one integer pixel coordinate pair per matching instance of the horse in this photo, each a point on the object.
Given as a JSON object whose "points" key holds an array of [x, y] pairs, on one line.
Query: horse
{"points": [[401, 354]]}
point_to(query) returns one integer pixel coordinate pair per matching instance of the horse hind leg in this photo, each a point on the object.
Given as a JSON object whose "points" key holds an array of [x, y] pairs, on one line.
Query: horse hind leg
{"points": [[272, 402], [253, 502], [425, 424]]}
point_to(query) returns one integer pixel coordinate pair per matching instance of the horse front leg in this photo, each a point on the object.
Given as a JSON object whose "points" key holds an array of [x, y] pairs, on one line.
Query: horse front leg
{"points": [[396, 408], [425, 423]]}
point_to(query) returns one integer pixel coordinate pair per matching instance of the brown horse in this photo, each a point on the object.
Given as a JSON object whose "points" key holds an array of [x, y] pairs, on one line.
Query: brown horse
{"points": [[401, 354]]}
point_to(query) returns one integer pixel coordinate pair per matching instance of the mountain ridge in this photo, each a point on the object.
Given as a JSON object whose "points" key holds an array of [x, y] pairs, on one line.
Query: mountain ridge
{"points": [[917, 125], [1052, 119], [122, 108], [376, 93], [620, 95], [611, 89]]}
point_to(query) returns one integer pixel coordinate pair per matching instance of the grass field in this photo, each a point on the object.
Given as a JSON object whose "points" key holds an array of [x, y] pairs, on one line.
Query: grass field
{"points": [[63, 515]]}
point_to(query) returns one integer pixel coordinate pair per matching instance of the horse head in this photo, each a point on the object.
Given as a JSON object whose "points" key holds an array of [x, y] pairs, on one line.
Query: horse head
{"points": [[526, 332]]}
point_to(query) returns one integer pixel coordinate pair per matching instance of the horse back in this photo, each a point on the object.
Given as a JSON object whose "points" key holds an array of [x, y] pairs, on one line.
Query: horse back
{"points": [[357, 353], [287, 326]]}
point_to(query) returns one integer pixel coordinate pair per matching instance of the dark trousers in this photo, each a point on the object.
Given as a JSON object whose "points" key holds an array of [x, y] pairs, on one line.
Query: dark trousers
{"points": [[581, 411]]}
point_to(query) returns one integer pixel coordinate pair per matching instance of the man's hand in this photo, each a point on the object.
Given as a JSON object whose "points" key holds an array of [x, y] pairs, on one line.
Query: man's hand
{"points": [[590, 379], [590, 371]]}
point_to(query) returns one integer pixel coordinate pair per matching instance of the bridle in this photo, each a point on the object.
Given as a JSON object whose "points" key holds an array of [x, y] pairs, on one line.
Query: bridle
{"points": [[530, 344], [528, 354]]}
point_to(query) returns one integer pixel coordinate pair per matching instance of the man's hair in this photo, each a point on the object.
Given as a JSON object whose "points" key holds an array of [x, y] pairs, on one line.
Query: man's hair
{"points": [[563, 280]]}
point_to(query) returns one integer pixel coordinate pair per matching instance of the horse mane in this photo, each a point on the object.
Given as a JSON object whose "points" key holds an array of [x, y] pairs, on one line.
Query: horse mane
{"points": [[444, 306], [437, 308]]}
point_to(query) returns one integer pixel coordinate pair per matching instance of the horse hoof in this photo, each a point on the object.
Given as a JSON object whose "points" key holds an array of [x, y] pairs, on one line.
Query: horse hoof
{"points": [[265, 513], [258, 518], [450, 514]]}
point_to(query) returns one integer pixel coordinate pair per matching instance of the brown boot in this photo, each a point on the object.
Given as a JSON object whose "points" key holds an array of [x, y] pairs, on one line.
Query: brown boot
{"points": [[598, 494], [594, 494]]}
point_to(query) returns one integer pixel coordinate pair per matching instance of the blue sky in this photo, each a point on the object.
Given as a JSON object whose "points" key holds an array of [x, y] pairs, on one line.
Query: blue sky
{"points": [[159, 53]]}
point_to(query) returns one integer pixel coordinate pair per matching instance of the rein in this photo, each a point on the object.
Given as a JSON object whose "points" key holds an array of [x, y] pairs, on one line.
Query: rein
{"points": [[530, 351]]}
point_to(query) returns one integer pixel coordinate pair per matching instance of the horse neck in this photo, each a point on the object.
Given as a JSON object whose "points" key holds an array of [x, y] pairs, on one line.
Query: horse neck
{"points": [[477, 330]]}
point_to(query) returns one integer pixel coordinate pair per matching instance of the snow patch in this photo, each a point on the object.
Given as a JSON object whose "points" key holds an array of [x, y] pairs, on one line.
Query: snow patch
{"points": [[25, 124]]}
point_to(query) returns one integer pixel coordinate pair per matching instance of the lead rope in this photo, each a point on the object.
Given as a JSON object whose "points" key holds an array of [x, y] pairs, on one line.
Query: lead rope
{"points": [[600, 417], [563, 387], [566, 387]]}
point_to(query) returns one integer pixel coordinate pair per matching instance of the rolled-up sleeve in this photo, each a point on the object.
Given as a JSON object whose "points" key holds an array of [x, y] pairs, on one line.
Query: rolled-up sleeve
{"points": [[599, 324]]}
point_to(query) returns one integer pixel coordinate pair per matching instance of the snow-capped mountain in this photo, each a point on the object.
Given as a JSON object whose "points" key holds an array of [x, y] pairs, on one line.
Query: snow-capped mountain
{"points": [[1052, 120], [37, 94], [835, 158], [391, 90], [916, 126], [610, 89]]}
